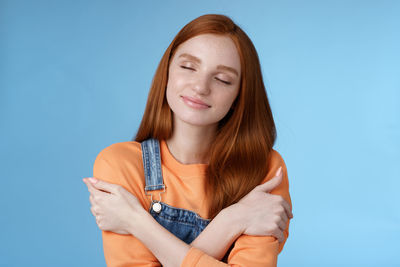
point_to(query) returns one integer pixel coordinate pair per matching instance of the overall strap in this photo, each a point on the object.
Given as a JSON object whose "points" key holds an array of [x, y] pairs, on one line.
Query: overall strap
{"points": [[152, 165]]}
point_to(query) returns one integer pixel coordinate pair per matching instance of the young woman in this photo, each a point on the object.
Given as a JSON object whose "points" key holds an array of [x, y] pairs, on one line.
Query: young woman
{"points": [[201, 180]]}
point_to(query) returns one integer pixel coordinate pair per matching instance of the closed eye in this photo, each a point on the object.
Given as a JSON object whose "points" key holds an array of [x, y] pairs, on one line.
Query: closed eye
{"points": [[225, 82], [188, 68], [183, 67]]}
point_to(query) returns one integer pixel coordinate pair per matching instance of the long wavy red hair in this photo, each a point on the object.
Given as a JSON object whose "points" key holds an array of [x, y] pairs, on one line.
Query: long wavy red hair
{"points": [[238, 159]]}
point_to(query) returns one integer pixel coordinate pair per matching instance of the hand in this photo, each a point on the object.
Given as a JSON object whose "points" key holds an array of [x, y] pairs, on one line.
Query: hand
{"points": [[114, 208], [263, 213]]}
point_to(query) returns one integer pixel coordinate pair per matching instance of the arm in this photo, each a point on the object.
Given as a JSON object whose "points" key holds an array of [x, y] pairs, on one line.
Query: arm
{"points": [[220, 233], [131, 218], [248, 250], [131, 250], [256, 214], [244, 217], [171, 251], [120, 250], [168, 249]]}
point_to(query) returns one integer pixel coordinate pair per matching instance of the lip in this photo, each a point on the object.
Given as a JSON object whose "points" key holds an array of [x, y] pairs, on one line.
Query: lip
{"points": [[194, 102]]}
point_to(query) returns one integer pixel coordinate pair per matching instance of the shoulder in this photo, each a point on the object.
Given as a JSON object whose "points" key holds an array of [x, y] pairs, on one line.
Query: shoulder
{"points": [[276, 160], [121, 163], [120, 151], [115, 161]]}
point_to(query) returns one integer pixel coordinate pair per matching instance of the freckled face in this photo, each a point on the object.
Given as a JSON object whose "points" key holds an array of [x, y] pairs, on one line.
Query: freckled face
{"points": [[204, 79]]}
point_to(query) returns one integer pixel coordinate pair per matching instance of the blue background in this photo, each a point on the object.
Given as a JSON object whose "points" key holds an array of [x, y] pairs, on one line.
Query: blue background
{"points": [[75, 77]]}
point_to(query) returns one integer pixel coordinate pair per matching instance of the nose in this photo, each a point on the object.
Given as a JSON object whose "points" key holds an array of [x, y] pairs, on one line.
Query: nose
{"points": [[201, 85]]}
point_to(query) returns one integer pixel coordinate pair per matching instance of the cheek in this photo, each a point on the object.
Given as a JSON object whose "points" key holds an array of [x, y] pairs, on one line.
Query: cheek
{"points": [[170, 99], [227, 99], [177, 82], [175, 86], [172, 96]]}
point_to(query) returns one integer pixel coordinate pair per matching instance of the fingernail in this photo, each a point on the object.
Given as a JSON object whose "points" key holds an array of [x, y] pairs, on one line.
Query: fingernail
{"points": [[93, 180], [279, 172]]}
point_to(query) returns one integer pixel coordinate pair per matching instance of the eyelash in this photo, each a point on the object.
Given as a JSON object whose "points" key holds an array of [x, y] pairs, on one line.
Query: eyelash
{"points": [[225, 82]]}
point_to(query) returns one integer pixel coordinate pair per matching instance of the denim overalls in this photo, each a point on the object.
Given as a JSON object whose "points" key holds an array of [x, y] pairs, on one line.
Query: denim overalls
{"points": [[184, 224]]}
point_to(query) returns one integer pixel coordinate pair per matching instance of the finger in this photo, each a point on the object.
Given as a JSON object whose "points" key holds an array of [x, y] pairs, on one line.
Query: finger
{"points": [[282, 224], [270, 184], [90, 187], [279, 171], [97, 219], [94, 191], [288, 209], [279, 235], [92, 200], [103, 186], [92, 211], [284, 220]]}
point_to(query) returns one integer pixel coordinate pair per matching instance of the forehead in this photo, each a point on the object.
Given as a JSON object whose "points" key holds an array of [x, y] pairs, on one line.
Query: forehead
{"points": [[212, 49]]}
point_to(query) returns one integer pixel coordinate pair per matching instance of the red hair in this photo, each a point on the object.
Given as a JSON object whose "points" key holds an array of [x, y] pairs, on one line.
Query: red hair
{"points": [[245, 137]]}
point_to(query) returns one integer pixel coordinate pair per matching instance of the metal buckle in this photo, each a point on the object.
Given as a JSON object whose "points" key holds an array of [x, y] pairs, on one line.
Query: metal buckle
{"points": [[151, 195]]}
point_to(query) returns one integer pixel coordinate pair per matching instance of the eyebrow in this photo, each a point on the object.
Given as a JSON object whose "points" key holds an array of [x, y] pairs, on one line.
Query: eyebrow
{"points": [[219, 67]]}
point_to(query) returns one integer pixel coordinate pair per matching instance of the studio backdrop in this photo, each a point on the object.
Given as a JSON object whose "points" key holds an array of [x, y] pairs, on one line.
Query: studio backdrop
{"points": [[74, 79]]}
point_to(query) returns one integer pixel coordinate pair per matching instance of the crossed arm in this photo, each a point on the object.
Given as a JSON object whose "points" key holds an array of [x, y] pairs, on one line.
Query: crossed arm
{"points": [[131, 237], [215, 239]]}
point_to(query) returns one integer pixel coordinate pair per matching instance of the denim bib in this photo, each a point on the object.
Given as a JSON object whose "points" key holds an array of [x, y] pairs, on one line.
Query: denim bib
{"points": [[184, 224]]}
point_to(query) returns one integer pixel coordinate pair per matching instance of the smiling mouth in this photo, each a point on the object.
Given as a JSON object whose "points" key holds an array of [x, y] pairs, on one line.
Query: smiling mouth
{"points": [[194, 104]]}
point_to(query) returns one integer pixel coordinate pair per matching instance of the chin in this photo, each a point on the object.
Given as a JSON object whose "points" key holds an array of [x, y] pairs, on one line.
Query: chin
{"points": [[196, 120]]}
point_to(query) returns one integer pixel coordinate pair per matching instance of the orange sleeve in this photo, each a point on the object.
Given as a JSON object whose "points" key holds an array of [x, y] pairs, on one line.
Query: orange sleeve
{"points": [[120, 250], [250, 250]]}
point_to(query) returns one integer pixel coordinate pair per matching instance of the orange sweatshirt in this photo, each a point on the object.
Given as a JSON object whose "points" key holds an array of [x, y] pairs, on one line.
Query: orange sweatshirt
{"points": [[121, 163]]}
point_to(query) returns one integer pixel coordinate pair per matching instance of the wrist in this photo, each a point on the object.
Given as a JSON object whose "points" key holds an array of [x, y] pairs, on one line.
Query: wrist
{"points": [[234, 214], [138, 221]]}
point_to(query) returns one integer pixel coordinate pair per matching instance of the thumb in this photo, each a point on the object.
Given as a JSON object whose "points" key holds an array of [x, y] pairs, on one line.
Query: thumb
{"points": [[103, 186], [272, 183]]}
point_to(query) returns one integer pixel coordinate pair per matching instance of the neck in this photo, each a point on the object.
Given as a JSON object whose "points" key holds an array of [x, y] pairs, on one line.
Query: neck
{"points": [[189, 144]]}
